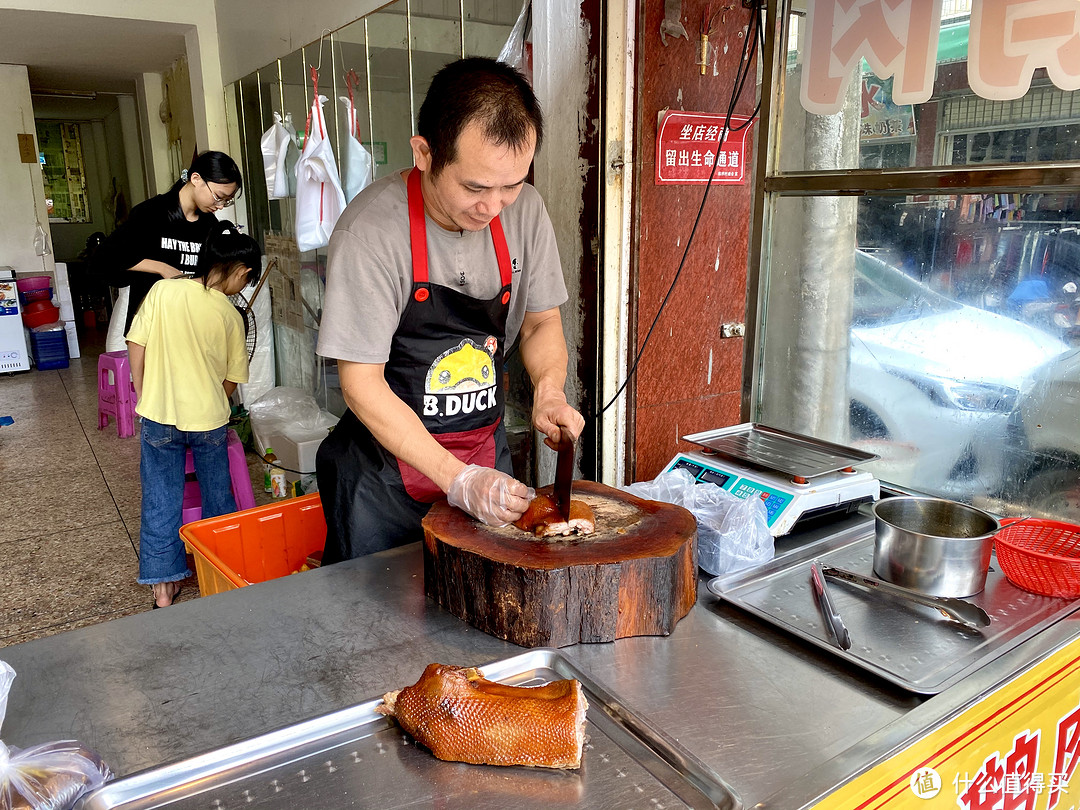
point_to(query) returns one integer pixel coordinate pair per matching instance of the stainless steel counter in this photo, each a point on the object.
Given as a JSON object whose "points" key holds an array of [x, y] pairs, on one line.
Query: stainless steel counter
{"points": [[779, 720]]}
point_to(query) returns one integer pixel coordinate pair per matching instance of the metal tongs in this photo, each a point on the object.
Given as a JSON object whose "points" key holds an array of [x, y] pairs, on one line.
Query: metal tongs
{"points": [[956, 610], [832, 618]]}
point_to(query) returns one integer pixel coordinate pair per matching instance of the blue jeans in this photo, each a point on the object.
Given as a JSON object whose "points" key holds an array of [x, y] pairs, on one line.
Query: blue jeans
{"points": [[161, 471]]}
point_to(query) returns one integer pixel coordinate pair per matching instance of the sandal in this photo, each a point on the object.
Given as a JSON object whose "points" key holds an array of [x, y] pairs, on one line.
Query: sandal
{"points": [[172, 601]]}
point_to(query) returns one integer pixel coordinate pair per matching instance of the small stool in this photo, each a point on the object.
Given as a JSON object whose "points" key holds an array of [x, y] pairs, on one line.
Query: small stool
{"points": [[243, 493], [116, 393]]}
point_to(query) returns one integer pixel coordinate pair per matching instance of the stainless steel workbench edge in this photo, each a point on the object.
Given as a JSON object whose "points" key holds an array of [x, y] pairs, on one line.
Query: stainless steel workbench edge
{"points": [[782, 722]]}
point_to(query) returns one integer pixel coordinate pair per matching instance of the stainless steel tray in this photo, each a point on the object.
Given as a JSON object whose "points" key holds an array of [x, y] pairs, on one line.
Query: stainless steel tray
{"points": [[910, 645], [357, 758], [779, 450]]}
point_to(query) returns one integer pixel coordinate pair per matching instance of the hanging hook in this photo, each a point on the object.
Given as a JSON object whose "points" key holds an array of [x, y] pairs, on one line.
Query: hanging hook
{"points": [[322, 38]]}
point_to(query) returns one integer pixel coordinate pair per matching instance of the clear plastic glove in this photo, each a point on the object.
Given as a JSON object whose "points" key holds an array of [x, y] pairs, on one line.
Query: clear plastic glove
{"points": [[490, 496]]}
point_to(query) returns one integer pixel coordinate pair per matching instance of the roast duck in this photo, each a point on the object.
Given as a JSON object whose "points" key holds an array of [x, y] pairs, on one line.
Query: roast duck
{"points": [[543, 518], [463, 717]]}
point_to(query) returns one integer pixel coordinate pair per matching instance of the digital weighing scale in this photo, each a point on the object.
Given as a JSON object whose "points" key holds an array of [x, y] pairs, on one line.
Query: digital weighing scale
{"points": [[798, 477]]}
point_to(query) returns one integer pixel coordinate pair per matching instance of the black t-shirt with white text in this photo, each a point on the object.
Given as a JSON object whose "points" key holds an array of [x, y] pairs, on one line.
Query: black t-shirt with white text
{"points": [[155, 229]]}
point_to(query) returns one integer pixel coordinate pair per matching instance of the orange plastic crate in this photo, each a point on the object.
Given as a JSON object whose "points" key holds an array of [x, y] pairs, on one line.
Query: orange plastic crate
{"points": [[255, 545]]}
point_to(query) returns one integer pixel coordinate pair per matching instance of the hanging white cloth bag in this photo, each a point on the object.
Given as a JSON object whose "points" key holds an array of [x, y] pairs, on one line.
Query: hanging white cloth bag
{"points": [[275, 143], [355, 159], [319, 199]]}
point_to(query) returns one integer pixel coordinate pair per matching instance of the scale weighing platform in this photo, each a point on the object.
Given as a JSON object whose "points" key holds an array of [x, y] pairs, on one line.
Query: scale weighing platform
{"points": [[798, 477]]}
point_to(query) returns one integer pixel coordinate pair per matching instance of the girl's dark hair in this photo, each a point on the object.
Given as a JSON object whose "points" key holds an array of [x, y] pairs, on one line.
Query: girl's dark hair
{"points": [[479, 89], [224, 248], [216, 167]]}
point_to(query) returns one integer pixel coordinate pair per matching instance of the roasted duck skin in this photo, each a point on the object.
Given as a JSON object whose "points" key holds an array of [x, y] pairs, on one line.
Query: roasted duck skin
{"points": [[463, 717], [543, 518]]}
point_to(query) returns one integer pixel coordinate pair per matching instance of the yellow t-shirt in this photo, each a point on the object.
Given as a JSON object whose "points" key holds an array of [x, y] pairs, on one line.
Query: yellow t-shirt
{"points": [[194, 340]]}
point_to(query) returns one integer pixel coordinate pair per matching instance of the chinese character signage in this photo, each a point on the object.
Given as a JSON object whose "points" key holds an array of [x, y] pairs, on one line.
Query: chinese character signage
{"points": [[688, 144], [881, 118], [1008, 41], [1017, 748]]}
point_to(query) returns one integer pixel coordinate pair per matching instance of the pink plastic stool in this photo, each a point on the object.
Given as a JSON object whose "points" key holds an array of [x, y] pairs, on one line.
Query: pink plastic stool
{"points": [[116, 393], [243, 493]]}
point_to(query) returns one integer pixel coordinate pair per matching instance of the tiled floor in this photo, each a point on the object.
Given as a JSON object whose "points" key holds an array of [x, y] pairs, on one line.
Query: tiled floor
{"points": [[70, 535]]}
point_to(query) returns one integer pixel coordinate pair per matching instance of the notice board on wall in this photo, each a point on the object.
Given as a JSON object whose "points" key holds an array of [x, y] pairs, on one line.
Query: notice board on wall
{"points": [[688, 144]]}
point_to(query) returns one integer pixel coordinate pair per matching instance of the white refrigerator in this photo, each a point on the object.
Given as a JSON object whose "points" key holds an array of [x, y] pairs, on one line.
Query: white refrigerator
{"points": [[14, 354]]}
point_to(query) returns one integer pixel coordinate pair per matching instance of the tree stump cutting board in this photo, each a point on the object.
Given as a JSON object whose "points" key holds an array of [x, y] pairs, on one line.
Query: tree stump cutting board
{"points": [[636, 575]]}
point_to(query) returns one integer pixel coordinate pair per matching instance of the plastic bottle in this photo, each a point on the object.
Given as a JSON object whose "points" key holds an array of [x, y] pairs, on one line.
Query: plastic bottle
{"points": [[267, 484]]}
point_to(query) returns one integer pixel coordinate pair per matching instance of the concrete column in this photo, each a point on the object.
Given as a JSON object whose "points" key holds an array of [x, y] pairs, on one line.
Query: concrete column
{"points": [[129, 126], [207, 94], [22, 205], [155, 135]]}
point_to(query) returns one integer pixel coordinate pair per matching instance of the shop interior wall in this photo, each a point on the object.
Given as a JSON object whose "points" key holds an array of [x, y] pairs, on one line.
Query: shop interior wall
{"points": [[22, 205], [689, 378]]}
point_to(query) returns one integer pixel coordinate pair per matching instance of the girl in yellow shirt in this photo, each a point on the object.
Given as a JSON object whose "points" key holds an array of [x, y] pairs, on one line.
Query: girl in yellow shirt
{"points": [[187, 352]]}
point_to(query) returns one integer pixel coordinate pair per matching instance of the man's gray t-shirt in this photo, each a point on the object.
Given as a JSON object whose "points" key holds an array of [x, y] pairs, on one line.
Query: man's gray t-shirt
{"points": [[369, 268]]}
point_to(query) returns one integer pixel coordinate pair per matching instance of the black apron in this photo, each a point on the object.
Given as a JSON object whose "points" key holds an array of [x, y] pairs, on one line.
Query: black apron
{"points": [[446, 363]]}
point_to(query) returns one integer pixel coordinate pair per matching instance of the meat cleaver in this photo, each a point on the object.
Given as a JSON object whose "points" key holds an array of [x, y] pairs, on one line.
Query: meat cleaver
{"points": [[564, 473]]}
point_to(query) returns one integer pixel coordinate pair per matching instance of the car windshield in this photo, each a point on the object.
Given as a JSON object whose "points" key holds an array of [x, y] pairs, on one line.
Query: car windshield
{"points": [[884, 294]]}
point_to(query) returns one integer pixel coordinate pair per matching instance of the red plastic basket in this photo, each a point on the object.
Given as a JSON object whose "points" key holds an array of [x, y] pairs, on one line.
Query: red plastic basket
{"points": [[1041, 556]]}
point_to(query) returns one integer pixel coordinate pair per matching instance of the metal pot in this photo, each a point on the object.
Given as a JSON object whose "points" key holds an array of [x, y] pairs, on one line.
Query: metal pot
{"points": [[933, 546]]}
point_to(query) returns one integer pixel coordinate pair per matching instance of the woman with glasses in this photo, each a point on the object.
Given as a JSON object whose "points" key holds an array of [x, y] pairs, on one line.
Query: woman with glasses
{"points": [[163, 235]]}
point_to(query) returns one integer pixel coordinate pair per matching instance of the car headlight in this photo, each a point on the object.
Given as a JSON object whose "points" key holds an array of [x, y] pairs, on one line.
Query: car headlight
{"points": [[962, 394]]}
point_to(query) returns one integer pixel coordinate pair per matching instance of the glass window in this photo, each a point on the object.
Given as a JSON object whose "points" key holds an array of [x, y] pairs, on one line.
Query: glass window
{"points": [[62, 165], [955, 126], [930, 316], [942, 342]]}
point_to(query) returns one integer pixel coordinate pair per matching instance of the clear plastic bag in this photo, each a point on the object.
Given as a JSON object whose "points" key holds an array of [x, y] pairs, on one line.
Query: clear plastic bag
{"points": [[290, 412], [50, 776], [516, 51], [733, 532]]}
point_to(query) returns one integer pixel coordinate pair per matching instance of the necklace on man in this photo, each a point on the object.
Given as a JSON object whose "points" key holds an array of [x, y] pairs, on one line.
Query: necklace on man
{"points": [[461, 279]]}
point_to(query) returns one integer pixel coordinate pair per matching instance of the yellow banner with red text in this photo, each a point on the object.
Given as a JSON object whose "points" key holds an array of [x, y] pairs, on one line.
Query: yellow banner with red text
{"points": [[1016, 749]]}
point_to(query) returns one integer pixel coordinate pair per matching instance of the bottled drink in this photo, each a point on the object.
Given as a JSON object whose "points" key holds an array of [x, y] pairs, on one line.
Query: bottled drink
{"points": [[268, 470]]}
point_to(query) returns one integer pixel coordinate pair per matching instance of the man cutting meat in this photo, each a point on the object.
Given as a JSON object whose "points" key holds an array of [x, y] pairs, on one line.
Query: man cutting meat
{"points": [[432, 274]]}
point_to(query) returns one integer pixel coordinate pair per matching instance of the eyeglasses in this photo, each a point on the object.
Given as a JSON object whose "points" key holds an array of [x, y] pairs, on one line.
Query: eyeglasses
{"points": [[224, 202]]}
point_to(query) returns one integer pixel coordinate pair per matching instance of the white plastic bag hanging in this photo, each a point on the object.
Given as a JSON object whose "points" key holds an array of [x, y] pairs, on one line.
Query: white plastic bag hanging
{"points": [[49, 776], [356, 163], [275, 144], [319, 199], [517, 51], [292, 153]]}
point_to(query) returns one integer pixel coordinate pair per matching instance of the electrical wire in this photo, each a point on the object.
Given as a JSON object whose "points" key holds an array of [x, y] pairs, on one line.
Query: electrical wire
{"points": [[756, 33]]}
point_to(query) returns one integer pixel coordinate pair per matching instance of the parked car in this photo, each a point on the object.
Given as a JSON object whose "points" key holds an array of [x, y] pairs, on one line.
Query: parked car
{"points": [[1043, 450], [932, 382]]}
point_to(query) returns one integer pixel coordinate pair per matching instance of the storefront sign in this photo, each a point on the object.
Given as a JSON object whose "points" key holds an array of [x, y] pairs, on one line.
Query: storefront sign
{"points": [[1007, 42], [881, 118], [688, 143], [1017, 748]]}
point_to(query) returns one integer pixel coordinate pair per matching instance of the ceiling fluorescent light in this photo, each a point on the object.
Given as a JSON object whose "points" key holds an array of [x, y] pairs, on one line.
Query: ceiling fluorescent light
{"points": [[83, 95]]}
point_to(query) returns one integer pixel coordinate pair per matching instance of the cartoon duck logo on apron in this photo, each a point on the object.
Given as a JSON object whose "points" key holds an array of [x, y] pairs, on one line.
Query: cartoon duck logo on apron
{"points": [[462, 380]]}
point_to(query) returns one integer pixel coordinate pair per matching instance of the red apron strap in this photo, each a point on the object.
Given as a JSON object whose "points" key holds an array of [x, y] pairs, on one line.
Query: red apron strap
{"points": [[418, 239], [417, 230], [502, 252]]}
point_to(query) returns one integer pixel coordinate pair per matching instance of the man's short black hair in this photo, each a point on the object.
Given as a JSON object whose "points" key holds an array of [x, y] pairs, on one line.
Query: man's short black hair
{"points": [[484, 91]]}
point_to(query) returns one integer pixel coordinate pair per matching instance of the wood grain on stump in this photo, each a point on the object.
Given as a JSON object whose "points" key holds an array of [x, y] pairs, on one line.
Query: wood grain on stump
{"points": [[636, 575]]}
